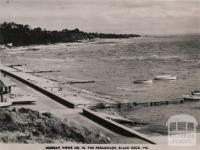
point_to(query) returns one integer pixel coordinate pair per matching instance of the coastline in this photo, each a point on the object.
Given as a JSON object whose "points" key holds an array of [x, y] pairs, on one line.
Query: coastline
{"points": [[72, 62]]}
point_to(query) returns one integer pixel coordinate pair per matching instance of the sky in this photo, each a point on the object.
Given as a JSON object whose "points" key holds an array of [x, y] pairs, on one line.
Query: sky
{"points": [[108, 16]]}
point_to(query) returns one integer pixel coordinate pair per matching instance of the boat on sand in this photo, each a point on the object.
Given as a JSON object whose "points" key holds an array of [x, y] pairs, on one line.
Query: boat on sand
{"points": [[5, 104], [24, 100]]}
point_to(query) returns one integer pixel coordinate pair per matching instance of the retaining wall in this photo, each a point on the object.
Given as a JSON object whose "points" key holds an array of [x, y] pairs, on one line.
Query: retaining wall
{"points": [[114, 126], [42, 90]]}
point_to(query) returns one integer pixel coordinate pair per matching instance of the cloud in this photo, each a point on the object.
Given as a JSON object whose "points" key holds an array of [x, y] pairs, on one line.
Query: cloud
{"points": [[137, 16]]}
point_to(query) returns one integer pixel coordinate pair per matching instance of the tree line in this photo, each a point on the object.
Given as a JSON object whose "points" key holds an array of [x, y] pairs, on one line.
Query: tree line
{"points": [[20, 35]]}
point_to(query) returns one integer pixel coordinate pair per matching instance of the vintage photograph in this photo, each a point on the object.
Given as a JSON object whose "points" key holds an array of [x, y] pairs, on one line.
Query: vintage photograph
{"points": [[103, 72]]}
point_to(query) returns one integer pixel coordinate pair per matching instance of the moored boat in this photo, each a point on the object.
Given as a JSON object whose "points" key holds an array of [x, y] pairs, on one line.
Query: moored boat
{"points": [[165, 77], [191, 98], [143, 81], [196, 92]]}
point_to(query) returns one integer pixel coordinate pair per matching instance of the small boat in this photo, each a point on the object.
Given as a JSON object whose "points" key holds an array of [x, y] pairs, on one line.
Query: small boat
{"points": [[196, 92], [143, 81], [102, 105], [191, 98], [5, 104], [18, 102], [165, 77]]}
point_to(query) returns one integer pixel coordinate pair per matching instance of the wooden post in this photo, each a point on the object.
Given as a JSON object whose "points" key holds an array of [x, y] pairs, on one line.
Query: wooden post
{"points": [[9, 89], [1, 93]]}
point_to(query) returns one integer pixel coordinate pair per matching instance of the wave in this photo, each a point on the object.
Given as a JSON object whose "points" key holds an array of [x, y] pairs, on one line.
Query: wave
{"points": [[156, 57], [132, 89]]}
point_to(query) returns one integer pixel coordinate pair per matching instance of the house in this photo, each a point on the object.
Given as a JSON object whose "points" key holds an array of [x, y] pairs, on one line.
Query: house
{"points": [[4, 89], [2, 47], [9, 45], [5, 86]]}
